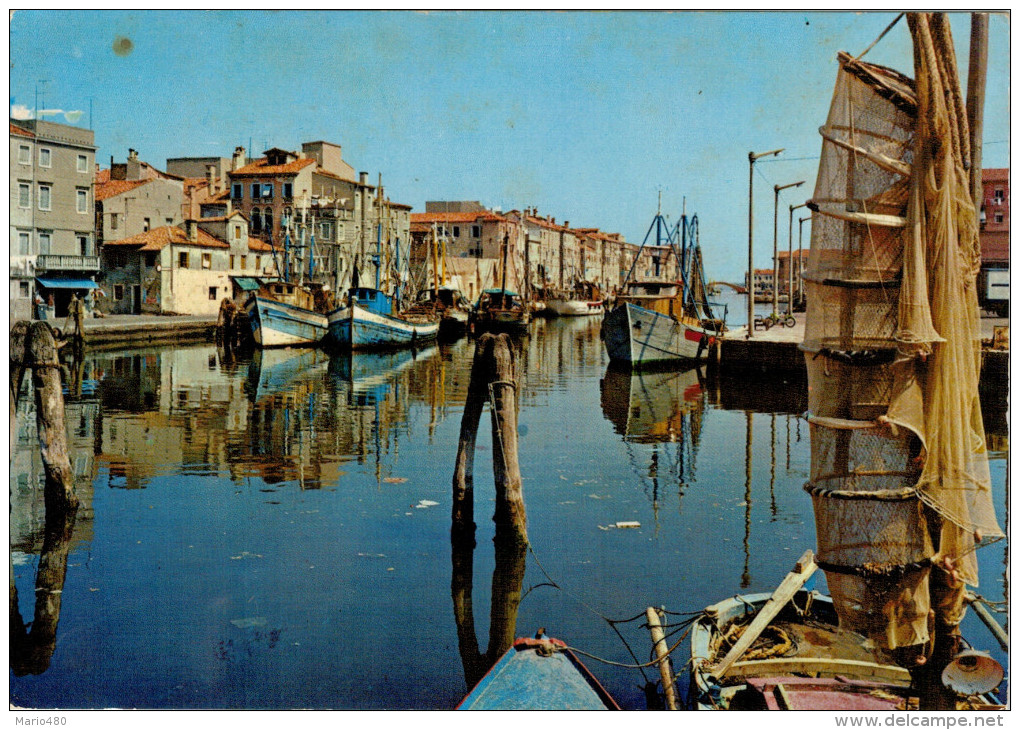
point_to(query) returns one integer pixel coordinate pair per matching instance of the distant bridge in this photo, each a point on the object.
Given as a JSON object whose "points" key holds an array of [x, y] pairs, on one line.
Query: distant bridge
{"points": [[735, 287]]}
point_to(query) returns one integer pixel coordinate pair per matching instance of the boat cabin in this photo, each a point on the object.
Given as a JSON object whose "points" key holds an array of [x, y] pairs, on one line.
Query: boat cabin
{"points": [[499, 299], [652, 289], [309, 296], [373, 300]]}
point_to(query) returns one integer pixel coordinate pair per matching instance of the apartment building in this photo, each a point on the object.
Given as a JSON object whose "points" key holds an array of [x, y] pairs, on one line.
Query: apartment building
{"points": [[993, 279], [52, 215]]}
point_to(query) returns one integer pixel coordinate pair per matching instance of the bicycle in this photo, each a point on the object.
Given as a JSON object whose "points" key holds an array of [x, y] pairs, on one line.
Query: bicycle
{"points": [[771, 320]]}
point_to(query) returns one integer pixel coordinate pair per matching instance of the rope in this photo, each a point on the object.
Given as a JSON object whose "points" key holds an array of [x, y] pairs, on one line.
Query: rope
{"points": [[646, 665], [880, 37]]}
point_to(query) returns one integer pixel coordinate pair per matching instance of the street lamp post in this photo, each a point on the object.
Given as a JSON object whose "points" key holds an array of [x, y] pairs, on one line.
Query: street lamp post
{"points": [[800, 260], [775, 246], [751, 157], [789, 262]]}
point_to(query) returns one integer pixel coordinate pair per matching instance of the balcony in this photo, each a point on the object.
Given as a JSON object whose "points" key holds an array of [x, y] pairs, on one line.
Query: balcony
{"points": [[62, 262]]}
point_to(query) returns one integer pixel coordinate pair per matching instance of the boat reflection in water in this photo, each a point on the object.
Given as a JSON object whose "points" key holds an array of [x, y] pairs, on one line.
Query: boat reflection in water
{"points": [[662, 408], [277, 370]]}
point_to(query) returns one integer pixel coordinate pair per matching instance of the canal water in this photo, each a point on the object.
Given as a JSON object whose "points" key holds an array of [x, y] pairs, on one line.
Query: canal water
{"points": [[273, 530]]}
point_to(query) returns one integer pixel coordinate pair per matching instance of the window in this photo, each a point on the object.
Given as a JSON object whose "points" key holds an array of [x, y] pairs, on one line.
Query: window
{"points": [[118, 292], [231, 261], [212, 293], [83, 163], [456, 231], [45, 239], [326, 231], [45, 157], [182, 259], [256, 189], [24, 290], [267, 220], [150, 260], [237, 230], [267, 190], [44, 196], [145, 224], [339, 231], [207, 261], [286, 218], [999, 218], [256, 221], [476, 231], [169, 221], [24, 243], [24, 155], [237, 191], [244, 262], [288, 190], [83, 244], [82, 200], [258, 262], [113, 221], [998, 193], [24, 195]]}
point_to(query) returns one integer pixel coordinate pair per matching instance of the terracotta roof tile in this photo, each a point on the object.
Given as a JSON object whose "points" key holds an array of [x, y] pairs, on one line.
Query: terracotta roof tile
{"points": [[157, 238], [455, 217], [15, 129], [112, 188], [260, 168], [257, 244]]}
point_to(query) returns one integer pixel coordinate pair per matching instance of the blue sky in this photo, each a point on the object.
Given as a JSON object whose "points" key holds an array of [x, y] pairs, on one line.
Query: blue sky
{"points": [[585, 115]]}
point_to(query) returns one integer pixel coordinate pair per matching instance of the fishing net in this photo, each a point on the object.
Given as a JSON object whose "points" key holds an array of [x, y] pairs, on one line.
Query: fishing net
{"points": [[899, 476]]}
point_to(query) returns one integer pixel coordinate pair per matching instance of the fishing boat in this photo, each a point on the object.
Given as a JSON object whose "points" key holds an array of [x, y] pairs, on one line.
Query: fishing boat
{"points": [[785, 650], [538, 674], [287, 313], [282, 313], [449, 305], [584, 301], [657, 320], [500, 309], [370, 320]]}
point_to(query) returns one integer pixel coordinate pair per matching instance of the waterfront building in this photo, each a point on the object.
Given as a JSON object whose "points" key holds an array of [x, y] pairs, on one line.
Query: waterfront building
{"points": [[602, 257], [473, 237], [993, 279], [189, 270], [315, 193], [52, 216], [800, 258], [763, 280], [134, 197]]}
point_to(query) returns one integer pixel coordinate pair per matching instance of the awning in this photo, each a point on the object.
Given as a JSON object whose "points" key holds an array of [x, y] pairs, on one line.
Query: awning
{"points": [[67, 283], [246, 283]]}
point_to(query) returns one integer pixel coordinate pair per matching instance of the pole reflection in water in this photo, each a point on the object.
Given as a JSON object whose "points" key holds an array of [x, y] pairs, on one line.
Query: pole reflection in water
{"points": [[745, 577]]}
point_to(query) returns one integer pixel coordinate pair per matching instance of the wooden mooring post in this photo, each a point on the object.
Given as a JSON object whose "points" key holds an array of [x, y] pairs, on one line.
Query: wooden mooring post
{"points": [[34, 348], [493, 379]]}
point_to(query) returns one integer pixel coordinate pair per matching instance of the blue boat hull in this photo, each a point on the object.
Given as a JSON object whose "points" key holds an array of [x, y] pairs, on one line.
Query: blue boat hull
{"points": [[529, 678], [276, 324], [355, 327]]}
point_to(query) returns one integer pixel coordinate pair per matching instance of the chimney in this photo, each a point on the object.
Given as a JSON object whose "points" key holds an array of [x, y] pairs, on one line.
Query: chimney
{"points": [[210, 176], [363, 177], [132, 154], [239, 160], [192, 228], [566, 224]]}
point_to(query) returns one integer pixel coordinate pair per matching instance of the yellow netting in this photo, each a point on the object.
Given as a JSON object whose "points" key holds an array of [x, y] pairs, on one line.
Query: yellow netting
{"points": [[941, 261], [892, 342]]}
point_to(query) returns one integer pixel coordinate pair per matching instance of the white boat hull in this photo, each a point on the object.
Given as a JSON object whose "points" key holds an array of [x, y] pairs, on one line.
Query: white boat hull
{"points": [[636, 335], [575, 307]]}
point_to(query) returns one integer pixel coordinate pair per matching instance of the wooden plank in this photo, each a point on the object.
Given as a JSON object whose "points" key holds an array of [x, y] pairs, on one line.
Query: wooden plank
{"points": [[820, 667], [792, 583], [662, 656]]}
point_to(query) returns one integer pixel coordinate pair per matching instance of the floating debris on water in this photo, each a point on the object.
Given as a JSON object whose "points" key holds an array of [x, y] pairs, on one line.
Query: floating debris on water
{"points": [[394, 480], [425, 503], [628, 525]]}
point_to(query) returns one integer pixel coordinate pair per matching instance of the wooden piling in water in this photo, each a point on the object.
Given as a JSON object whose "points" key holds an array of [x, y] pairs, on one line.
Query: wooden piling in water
{"points": [[505, 464], [41, 353], [463, 471]]}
